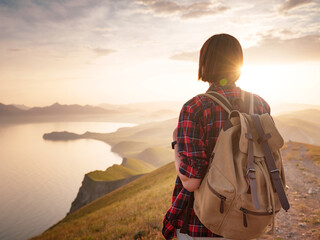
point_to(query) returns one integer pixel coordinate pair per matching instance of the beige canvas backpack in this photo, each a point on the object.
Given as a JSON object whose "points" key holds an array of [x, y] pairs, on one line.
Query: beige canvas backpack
{"points": [[243, 189]]}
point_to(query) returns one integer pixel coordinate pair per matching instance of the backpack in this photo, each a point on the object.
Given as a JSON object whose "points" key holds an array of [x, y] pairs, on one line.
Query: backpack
{"points": [[242, 190]]}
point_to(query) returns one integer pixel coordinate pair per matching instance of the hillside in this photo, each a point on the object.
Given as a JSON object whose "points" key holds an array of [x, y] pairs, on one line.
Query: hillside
{"points": [[284, 108], [141, 204], [127, 139], [300, 126], [98, 183], [129, 167], [156, 156], [143, 148], [152, 134], [139, 208]]}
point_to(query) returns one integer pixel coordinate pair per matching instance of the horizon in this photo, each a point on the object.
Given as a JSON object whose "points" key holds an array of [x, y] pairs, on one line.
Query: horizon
{"points": [[147, 102], [134, 51]]}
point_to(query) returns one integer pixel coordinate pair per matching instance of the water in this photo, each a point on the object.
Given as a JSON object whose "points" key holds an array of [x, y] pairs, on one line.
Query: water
{"points": [[39, 179]]}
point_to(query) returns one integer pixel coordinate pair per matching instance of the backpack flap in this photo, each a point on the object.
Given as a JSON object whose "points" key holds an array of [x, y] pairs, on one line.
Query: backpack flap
{"points": [[275, 140]]}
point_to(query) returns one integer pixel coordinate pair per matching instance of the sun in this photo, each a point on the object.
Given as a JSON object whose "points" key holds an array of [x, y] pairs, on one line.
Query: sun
{"points": [[262, 79]]}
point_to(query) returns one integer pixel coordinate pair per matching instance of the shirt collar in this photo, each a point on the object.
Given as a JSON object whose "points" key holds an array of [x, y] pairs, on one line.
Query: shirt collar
{"points": [[216, 86]]}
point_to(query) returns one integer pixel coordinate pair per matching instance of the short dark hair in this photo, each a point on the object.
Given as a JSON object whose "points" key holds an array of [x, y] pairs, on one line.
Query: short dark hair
{"points": [[220, 60]]}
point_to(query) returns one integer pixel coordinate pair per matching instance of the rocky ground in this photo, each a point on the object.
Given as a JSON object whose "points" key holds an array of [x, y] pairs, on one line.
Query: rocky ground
{"points": [[302, 221]]}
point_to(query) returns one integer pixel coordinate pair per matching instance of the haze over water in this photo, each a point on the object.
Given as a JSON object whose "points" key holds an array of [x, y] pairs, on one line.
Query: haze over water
{"points": [[39, 179]]}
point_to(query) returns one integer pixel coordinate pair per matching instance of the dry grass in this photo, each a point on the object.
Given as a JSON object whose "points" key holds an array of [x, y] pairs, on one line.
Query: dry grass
{"points": [[113, 173], [134, 211], [314, 154]]}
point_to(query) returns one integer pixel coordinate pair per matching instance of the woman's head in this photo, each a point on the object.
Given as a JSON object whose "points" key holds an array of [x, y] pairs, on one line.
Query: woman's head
{"points": [[221, 59]]}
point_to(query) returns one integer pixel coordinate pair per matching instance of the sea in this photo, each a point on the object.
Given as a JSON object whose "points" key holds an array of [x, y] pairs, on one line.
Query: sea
{"points": [[39, 179]]}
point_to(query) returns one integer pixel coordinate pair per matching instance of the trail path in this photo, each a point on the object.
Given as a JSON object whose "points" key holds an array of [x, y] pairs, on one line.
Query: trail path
{"points": [[302, 221]]}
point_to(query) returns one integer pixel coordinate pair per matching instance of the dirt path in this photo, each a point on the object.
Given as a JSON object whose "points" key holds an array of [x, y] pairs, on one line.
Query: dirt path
{"points": [[302, 221]]}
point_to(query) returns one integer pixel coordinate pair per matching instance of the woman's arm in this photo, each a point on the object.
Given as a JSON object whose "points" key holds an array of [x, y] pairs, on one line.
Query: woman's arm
{"points": [[190, 184]]}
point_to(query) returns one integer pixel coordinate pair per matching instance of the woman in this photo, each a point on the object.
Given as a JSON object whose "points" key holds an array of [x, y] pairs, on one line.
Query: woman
{"points": [[200, 122]]}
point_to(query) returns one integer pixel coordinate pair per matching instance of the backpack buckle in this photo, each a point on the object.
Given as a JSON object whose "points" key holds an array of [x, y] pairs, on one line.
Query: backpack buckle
{"points": [[251, 173], [250, 170]]}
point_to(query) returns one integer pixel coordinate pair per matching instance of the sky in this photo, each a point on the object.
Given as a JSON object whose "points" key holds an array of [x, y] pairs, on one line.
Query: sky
{"points": [[127, 51]]}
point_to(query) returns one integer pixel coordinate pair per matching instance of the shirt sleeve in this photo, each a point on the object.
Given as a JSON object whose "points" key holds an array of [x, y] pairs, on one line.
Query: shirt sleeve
{"points": [[260, 105], [191, 140]]}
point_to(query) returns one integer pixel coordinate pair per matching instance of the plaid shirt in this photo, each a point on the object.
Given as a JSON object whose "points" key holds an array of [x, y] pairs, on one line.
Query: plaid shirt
{"points": [[199, 125]]}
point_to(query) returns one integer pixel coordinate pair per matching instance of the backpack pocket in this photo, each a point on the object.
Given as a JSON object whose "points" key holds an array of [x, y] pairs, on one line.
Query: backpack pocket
{"points": [[222, 198], [242, 223], [213, 199], [255, 216]]}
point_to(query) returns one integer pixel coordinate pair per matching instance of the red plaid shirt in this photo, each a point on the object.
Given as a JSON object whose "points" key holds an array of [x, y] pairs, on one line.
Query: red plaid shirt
{"points": [[199, 125]]}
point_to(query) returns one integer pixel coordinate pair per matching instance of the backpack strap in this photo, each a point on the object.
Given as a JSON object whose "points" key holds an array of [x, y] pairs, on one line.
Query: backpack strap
{"points": [[251, 103], [270, 162], [221, 100], [251, 171], [246, 102]]}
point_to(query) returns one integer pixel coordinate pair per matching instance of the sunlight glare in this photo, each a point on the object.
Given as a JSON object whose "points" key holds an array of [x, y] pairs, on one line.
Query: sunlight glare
{"points": [[282, 82], [262, 79]]}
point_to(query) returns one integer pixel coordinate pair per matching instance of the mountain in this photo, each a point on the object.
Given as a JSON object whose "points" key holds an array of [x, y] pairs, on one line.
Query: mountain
{"points": [[140, 113], [21, 106], [146, 106], [301, 126], [54, 109], [291, 107], [6, 110], [136, 210], [59, 109], [56, 112]]}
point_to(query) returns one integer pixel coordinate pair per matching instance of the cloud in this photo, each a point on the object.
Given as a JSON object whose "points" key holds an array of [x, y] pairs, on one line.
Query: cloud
{"points": [[186, 56], [273, 49], [290, 4], [100, 52], [15, 49], [184, 11], [286, 32], [45, 22], [46, 10]]}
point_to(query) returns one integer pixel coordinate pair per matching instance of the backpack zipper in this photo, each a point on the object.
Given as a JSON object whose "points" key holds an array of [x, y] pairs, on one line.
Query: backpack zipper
{"points": [[222, 198], [246, 211]]}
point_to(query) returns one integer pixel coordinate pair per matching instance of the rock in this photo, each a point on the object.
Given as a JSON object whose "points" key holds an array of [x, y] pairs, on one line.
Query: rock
{"points": [[310, 191], [303, 225], [91, 190]]}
